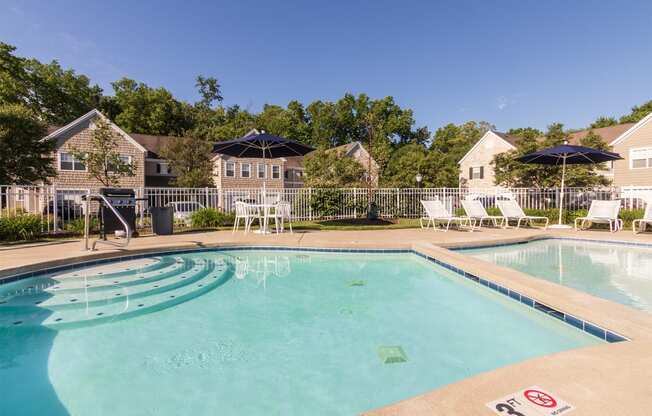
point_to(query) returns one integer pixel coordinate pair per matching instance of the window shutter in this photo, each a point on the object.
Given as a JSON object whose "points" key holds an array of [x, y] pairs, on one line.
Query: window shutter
{"points": [[158, 168], [470, 173], [481, 172]]}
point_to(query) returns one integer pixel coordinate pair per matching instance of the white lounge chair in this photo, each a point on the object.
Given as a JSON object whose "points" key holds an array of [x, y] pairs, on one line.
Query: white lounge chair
{"points": [[437, 213], [476, 211], [511, 210], [601, 212], [642, 222]]}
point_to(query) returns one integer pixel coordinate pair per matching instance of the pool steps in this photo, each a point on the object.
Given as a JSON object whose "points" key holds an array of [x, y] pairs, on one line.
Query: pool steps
{"points": [[72, 306]]}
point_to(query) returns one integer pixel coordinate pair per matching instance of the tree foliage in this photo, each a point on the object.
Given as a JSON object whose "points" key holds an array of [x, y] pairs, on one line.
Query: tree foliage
{"points": [[150, 110], [637, 113], [55, 95], [603, 121], [190, 161], [25, 157], [102, 160], [414, 158], [327, 169]]}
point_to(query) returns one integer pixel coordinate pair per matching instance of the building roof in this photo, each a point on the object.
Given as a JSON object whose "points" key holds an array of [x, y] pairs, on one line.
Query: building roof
{"points": [[509, 138], [62, 132], [608, 134], [152, 143], [631, 130]]}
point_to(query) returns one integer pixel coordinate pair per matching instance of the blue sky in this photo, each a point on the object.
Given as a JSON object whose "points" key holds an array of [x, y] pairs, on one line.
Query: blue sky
{"points": [[513, 63]]}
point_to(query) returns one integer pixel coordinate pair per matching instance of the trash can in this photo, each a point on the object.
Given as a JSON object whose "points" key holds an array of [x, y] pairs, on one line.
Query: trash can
{"points": [[162, 220]]}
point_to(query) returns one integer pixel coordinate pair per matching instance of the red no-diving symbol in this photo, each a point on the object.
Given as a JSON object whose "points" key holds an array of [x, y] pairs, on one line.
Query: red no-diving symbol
{"points": [[540, 398]]}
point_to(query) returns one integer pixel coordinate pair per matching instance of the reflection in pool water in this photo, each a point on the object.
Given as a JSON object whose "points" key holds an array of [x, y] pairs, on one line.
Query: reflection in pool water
{"points": [[621, 273]]}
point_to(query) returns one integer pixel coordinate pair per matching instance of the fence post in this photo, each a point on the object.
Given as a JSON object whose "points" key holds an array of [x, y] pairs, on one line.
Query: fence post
{"points": [[397, 214], [309, 204], [355, 202], [141, 210], [55, 227]]}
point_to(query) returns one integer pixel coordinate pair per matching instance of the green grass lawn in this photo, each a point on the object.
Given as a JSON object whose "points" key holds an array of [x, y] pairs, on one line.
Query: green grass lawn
{"points": [[358, 224]]}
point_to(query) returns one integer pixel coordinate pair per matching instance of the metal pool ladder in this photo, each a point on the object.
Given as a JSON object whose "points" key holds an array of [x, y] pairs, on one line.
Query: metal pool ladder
{"points": [[87, 215]]}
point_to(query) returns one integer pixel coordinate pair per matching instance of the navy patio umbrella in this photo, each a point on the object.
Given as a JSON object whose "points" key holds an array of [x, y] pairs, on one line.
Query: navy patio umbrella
{"points": [[261, 145], [567, 154]]}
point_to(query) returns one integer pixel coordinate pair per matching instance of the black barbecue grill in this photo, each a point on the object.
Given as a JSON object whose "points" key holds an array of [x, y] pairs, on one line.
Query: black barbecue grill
{"points": [[124, 201]]}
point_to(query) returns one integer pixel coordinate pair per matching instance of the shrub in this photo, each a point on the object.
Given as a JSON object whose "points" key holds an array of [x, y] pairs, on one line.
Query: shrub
{"points": [[629, 215], [210, 218], [77, 225], [20, 227]]}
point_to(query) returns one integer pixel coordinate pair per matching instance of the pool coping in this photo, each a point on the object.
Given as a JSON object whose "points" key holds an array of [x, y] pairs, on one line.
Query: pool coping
{"points": [[577, 322]]}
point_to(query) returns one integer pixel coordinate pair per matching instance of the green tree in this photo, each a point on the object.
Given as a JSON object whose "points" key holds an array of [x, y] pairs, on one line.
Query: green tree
{"points": [[328, 169], [150, 110], [604, 121], [102, 161], [413, 158], [637, 113], [209, 90], [455, 141], [24, 156], [190, 160], [54, 94]]}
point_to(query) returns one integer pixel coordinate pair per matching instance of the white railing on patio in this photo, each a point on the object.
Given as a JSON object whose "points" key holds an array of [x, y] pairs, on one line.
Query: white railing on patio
{"points": [[65, 204]]}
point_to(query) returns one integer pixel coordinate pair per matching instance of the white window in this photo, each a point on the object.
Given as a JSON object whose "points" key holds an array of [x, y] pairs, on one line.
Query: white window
{"points": [[126, 159], [276, 172], [68, 162], [261, 171], [476, 172], [163, 168], [20, 195], [229, 169], [640, 158], [245, 170]]}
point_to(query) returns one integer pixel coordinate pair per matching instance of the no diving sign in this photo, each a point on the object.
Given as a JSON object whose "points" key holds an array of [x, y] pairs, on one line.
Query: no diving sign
{"points": [[533, 401]]}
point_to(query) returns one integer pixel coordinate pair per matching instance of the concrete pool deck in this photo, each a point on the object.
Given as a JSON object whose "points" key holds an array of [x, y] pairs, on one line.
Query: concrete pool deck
{"points": [[607, 379]]}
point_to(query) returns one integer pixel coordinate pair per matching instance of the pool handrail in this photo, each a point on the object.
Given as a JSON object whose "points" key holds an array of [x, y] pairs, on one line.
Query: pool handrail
{"points": [[87, 214]]}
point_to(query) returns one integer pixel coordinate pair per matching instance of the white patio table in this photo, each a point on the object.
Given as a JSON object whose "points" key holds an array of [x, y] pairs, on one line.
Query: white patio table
{"points": [[265, 209]]}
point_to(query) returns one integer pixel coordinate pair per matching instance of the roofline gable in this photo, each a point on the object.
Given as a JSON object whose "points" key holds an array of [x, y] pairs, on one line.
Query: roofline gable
{"points": [[477, 144], [88, 116], [631, 130]]}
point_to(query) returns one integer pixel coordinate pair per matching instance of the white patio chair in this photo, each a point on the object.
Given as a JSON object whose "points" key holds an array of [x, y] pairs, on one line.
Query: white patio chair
{"points": [[437, 213], [476, 211], [245, 212], [642, 222], [601, 212], [282, 212], [511, 210]]}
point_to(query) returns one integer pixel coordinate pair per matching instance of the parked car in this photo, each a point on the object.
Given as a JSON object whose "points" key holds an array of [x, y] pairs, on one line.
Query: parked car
{"points": [[66, 209], [183, 211]]}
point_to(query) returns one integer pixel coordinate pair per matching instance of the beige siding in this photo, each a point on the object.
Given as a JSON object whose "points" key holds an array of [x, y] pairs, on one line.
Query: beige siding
{"points": [[222, 181], [623, 174], [80, 139], [482, 155]]}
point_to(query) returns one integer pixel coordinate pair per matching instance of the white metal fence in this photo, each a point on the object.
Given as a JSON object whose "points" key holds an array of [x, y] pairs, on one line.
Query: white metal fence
{"points": [[61, 209]]}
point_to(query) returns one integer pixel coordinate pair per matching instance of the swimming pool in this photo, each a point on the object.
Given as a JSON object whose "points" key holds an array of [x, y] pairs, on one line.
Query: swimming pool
{"points": [[255, 332], [618, 272]]}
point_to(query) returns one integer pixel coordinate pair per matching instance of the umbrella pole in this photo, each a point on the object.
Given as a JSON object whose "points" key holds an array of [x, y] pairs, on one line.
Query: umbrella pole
{"points": [[561, 196]]}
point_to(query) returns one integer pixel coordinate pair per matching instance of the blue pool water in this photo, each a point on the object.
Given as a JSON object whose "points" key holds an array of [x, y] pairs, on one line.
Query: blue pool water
{"points": [[255, 333], [618, 272]]}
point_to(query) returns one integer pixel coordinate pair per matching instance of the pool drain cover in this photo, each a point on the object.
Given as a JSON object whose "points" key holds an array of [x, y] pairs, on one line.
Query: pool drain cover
{"points": [[354, 283], [392, 354]]}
